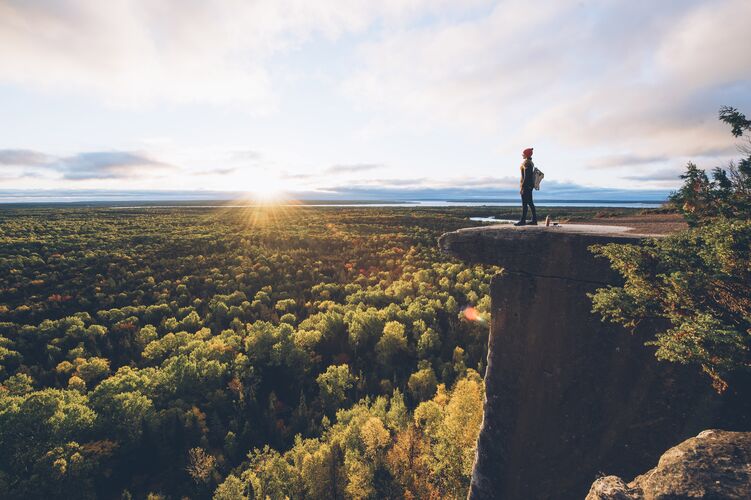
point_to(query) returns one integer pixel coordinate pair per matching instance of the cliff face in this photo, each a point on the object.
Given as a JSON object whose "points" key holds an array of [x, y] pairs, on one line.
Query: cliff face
{"points": [[567, 396]]}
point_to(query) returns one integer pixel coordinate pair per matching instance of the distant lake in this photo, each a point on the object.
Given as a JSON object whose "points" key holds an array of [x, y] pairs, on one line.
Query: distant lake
{"points": [[416, 204], [492, 219]]}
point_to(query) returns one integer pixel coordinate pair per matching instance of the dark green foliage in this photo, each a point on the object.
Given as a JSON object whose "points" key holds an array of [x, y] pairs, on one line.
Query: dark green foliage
{"points": [[697, 281], [728, 193], [700, 282], [737, 120]]}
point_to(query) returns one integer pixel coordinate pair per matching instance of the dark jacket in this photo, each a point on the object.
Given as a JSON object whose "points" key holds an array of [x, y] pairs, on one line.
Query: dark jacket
{"points": [[528, 174]]}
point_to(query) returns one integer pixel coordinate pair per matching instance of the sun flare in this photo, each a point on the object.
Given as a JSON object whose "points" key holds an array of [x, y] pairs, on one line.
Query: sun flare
{"points": [[263, 187]]}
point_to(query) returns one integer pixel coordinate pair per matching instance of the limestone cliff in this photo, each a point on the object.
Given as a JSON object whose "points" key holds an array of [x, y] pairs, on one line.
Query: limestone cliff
{"points": [[569, 397]]}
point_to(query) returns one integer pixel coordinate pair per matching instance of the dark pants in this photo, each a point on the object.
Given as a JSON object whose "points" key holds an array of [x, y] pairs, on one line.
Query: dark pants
{"points": [[527, 202]]}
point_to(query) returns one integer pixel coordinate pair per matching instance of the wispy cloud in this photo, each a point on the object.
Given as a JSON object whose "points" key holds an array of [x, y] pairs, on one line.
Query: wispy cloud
{"points": [[481, 182], [353, 168], [246, 156], [625, 160], [23, 157], [111, 165], [173, 50], [86, 165], [663, 174], [627, 76], [554, 191], [217, 171]]}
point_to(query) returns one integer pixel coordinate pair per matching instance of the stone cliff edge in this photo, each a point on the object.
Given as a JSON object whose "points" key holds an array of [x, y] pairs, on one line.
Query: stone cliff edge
{"points": [[569, 397]]}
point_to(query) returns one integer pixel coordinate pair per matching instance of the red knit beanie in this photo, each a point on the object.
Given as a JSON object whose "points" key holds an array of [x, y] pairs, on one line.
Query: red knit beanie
{"points": [[527, 152]]}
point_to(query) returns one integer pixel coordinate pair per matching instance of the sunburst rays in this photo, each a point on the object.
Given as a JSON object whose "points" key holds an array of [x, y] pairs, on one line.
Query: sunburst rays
{"points": [[259, 213]]}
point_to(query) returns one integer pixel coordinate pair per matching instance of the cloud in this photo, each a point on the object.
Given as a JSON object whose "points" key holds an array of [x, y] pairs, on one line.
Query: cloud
{"points": [[175, 50], [414, 182], [612, 85], [22, 157], [664, 174], [217, 171], [326, 173], [110, 165], [623, 160], [461, 183], [352, 168], [86, 165], [111, 195], [708, 45], [21, 175], [298, 176], [626, 76], [553, 192], [248, 155]]}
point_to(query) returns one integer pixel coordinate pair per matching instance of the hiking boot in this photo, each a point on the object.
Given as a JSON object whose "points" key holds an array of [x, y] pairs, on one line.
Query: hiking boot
{"points": [[532, 223], [521, 223]]}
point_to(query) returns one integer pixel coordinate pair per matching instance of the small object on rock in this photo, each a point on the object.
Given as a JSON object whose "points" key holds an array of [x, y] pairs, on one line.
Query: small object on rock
{"points": [[612, 488], [714, 464], [547, 221]]}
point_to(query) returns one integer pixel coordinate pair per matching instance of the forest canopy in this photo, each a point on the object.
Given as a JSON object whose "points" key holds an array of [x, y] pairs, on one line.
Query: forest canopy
{"points": [[238, 353]]}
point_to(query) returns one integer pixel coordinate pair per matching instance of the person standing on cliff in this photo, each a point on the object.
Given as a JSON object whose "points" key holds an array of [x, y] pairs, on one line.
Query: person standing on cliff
{"points": [[527, 184]]}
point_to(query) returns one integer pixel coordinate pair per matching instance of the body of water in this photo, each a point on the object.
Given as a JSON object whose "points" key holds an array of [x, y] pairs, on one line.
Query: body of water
{"points": [[416, 204], [492, 219]]}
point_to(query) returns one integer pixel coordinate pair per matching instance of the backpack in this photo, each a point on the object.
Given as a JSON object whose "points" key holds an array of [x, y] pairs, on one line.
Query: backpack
{"points": [[539, 176]]}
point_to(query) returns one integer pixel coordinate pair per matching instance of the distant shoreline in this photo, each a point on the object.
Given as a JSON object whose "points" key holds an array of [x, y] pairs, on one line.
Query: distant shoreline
{"points": [[501, 202]]}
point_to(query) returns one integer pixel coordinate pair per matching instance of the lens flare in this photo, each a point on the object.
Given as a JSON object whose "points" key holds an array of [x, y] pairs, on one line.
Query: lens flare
{"points": [[472, 314]]}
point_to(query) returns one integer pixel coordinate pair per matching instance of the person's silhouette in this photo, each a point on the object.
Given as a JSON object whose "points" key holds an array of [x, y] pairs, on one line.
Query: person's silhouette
{"points": [[527, 184]]}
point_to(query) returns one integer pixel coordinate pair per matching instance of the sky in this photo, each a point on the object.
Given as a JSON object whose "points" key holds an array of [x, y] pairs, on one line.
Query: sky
{"points": [[363, 98]]}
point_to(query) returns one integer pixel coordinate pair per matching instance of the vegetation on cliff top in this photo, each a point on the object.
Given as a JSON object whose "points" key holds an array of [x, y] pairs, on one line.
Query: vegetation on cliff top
{"points": [[698, 280]]}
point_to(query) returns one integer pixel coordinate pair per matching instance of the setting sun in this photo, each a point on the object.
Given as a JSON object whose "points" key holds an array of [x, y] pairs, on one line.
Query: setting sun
{"points": [[262, 187]]}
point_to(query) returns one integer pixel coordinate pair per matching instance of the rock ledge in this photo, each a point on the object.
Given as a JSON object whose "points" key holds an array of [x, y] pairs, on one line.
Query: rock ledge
{"points": [[714, 464]]}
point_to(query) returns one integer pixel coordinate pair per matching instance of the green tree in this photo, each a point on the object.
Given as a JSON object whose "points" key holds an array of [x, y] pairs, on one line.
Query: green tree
{"points": [[422, 384], [392, 343], [271, 475], [231, 489], [19, 384], [363, 327], [737, 120], [92, 369], [728, 194], [698, 280], [334, 385], [35, 431]]}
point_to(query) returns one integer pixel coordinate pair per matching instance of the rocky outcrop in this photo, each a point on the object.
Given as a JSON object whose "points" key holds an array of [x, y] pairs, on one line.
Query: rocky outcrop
{"points": [[567, 396], [714, 464]]}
